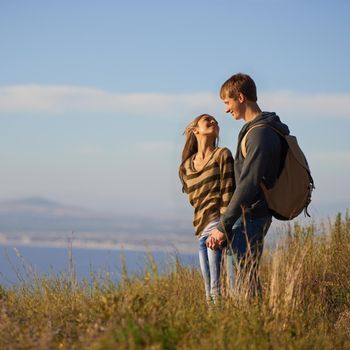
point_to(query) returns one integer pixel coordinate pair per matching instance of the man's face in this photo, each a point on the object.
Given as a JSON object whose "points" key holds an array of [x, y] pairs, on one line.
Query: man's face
{"points": [[234, 106]]}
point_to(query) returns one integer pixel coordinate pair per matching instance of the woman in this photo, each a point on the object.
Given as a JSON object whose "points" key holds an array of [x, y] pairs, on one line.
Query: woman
{"points": [[206, 173]]}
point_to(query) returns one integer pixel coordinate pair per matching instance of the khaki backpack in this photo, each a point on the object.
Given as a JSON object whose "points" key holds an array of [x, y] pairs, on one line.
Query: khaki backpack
{"points": [[291, 193]]}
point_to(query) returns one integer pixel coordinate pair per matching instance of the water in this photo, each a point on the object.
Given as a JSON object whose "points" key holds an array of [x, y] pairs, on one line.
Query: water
{"points": [[22, 262]]}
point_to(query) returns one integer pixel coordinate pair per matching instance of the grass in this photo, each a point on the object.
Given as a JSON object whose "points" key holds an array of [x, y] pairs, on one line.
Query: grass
{"points": [[305, 304]]}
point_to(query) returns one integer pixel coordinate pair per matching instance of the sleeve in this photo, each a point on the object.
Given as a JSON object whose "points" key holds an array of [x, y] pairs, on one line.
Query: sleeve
{"points": [[259, 156], [184, 177], [227, 179]]}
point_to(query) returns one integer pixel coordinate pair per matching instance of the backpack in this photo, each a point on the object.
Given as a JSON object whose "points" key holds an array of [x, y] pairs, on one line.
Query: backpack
{"points": [[291, 193]]}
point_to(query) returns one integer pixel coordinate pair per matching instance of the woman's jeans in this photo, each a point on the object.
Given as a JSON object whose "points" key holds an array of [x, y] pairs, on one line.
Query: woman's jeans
{"points": [[244, 253], [210, 261]]}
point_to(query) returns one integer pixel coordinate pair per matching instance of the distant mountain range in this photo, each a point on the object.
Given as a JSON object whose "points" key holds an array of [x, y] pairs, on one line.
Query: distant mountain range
{"points": [[42, 215], [39, 221]]}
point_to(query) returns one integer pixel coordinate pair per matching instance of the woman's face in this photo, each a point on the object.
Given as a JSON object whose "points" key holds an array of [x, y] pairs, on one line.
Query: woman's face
{"points": [[207, 126]]}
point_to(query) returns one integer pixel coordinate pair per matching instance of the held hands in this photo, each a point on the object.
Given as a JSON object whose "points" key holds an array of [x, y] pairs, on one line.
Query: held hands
{"points": [[215, 239]]}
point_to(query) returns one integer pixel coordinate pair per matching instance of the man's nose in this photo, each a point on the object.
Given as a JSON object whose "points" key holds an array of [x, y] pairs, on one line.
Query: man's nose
{"points": [[227, 109]]}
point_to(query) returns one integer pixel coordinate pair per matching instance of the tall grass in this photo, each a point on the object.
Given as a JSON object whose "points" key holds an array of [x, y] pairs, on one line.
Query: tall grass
{"points": [[305, 304]]}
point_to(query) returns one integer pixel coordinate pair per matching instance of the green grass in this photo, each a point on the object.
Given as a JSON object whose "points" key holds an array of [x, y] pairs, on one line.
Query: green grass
{"points": [[305, 304]]}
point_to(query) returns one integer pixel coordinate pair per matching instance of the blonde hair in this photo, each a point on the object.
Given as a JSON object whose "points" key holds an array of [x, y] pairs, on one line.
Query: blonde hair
{"points": [[191, 146]]}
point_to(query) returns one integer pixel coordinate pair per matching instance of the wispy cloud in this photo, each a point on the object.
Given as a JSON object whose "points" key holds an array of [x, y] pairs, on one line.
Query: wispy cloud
{"points": [[66, 99], [156, 146], [308, 105], [61, 99], [340, 159], [87, 150], [330, 171]]}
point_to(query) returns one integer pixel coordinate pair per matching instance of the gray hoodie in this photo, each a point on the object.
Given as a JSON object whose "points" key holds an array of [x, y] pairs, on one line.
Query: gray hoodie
{"points": [[265, 155]]}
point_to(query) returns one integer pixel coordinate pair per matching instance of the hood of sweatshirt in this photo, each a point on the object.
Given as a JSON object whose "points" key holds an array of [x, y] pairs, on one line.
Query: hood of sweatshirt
{"points": [[270, 118]]}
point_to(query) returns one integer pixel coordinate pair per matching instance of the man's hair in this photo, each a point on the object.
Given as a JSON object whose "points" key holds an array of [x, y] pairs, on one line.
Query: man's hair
{"points": [[239, 83]]}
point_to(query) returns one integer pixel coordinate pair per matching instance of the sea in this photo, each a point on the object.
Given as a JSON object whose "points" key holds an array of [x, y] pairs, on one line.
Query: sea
{"points": [[24, 264]]}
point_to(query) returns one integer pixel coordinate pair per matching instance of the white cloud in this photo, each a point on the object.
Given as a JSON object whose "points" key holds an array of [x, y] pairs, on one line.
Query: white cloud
{"points": [[329, 159], [331, 172], [89, 150], [304, 105], [63, 99], [59, 99], [155, 146]]}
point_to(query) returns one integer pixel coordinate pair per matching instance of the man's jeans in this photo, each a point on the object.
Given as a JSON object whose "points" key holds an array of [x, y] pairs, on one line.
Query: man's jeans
{"points": [[244, 253], [210, 261]]}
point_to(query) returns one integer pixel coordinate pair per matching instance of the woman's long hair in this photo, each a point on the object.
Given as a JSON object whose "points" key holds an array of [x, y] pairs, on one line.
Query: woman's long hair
{"points": [[191, 146]]}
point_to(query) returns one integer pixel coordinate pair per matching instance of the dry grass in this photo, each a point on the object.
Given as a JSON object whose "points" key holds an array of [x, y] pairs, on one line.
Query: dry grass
{"points": [[305, 305]]}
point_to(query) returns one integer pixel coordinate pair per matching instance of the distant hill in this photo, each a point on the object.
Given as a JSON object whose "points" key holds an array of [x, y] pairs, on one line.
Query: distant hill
{"points": [[38, 221], [37, 214], [41, 205], [31, 201]]}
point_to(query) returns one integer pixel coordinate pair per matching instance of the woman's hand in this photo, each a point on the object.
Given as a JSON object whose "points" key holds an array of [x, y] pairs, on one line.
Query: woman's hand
{"points": [[215, 239]]}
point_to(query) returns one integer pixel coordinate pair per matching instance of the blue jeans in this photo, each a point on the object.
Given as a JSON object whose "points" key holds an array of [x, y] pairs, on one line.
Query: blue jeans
{"points": [[245, 250], [210, 261]]}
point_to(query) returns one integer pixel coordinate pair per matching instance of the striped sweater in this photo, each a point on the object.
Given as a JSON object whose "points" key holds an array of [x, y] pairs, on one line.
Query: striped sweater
{"points": [[210, 189]]}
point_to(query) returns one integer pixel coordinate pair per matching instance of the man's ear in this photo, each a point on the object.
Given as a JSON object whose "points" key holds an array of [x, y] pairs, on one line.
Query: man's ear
{"points": [[241, 97]]}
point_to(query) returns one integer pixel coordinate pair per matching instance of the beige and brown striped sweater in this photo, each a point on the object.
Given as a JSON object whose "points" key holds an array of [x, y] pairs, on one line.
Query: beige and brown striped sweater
{"points": [[210, 189]]}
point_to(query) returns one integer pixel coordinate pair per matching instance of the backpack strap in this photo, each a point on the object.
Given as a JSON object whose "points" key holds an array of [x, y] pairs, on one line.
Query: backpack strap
{"points": [[244, 139]]}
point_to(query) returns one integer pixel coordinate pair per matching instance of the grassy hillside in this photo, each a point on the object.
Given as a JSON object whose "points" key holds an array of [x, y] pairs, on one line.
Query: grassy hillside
{"points": [[305, 305]]}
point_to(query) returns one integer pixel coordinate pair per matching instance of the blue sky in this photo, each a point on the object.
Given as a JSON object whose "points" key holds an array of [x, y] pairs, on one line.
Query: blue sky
{"points": [[94, 95]]}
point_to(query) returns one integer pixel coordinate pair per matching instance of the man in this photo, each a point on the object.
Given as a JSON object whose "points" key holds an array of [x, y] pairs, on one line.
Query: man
{"points": [[247, 217]]}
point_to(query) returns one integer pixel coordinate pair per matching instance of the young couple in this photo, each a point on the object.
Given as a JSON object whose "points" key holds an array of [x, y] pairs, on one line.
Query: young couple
{"points": [[229, 205]]}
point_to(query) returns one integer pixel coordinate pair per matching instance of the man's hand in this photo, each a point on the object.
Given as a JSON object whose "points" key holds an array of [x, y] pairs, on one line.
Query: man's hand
{"points": [[215, 239]]}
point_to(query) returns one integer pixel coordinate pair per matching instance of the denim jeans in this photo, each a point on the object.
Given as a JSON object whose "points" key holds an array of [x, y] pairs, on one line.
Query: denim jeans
{"points": [[244, 252], [210, 261]]}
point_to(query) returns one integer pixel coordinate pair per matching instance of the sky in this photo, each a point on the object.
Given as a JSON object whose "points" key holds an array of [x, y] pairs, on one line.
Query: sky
{"points": [[95, 95]]}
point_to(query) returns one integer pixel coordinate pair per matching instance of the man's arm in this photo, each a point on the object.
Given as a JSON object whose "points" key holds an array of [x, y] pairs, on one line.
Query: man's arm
{"points": [[259, 156]]}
